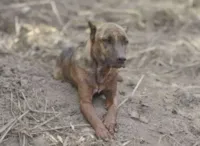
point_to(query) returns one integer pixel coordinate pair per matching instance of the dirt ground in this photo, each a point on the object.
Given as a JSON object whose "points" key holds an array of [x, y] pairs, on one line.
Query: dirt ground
{"points": [[164, 46]]}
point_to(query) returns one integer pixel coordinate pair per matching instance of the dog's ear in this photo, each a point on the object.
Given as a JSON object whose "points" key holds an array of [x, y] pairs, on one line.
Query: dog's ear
{"points": [[126, 28], [93, 30]]}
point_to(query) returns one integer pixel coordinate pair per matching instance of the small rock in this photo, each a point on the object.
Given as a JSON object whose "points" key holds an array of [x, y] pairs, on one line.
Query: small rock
{"points": [[88, 132], [24, 82], [122, 93], [25, 10], [144, 119], [130, 83], [60, 138], [135, 115], [174, 112], [84, 130], [36, 78]]}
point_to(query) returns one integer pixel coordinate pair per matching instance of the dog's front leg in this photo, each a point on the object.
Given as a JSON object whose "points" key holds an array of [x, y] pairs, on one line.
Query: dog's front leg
{"points": [[111, 105], [88, 111]]}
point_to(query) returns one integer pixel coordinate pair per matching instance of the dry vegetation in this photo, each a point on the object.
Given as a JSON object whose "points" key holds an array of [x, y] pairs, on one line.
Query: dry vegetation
{"points": [[160, 82]]}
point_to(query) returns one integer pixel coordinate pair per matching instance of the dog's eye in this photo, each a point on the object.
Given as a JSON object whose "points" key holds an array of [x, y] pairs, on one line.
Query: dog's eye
{"points": [[108, 40], [125, 41]]}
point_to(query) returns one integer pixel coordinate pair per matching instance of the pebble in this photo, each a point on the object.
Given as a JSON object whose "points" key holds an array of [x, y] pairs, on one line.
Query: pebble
{"points": [[137, 116]]}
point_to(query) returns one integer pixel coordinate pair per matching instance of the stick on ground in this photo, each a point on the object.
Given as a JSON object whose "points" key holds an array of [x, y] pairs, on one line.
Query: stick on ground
{"points": [[36, 111], [55, 10], [3, 128], [45, 122], [133, 93], [64, 127], [10, 127]]}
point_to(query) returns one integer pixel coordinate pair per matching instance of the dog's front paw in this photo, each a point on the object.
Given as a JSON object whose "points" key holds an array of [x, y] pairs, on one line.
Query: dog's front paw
{"points": [[110, 124], [103, 133]]}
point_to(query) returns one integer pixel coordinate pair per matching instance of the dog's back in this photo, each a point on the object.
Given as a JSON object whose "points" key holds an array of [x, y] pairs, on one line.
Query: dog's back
{"points": [[65, 57], [70, 58], [66, 54]]}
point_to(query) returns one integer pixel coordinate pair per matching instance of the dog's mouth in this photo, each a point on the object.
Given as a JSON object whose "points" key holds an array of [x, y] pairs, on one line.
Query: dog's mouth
{"points": [[118, 65]]}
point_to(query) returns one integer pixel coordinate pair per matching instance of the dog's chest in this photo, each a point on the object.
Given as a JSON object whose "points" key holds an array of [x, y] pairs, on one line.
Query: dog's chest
{"points": [[100, 80], [101, 83], [98, 88]]}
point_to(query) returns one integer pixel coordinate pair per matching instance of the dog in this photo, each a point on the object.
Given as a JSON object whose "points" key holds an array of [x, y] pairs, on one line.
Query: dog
{"points": [[94, 69]]}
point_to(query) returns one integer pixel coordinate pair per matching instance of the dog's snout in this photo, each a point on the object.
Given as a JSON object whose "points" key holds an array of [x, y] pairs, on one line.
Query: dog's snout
{"points": [[121, 59]]}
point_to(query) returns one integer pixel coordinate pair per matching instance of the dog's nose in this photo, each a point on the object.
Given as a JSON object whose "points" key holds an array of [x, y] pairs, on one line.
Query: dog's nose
{"points": [[121, 59]]}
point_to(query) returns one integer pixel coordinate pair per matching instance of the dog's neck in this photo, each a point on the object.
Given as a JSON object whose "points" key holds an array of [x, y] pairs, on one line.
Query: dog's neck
{"points": [[96, 56]]}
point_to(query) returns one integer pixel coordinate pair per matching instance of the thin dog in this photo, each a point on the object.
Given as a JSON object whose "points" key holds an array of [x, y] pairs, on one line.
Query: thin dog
{"points": [[94, 69]]}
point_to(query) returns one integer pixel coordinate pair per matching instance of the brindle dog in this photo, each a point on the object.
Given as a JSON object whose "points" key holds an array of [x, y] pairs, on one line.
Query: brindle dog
{"points": [[93, 69]]}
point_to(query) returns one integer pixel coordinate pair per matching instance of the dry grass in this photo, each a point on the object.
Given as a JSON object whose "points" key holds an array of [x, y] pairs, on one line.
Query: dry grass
{"points": [[23, 114]]}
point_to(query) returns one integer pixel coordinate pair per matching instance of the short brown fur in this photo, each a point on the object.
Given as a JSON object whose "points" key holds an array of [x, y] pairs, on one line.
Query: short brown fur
{"points": [[93, 69]]}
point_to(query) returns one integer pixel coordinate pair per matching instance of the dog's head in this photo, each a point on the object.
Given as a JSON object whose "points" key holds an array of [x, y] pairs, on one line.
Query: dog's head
{"points": [[109, 44]]}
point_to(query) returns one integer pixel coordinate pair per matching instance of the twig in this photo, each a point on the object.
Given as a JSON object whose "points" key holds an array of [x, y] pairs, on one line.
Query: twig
{"points": [[65, 143], [19, 103], [63, 127], [133, 139], [66, 26], [133, 93], [72, 126], [55, 10], [36, 111], [10, 127], [11, 104], [7, 125], [45, 107], [24, 140], [36, 94], [45, 122], [15, 104], [17, 26], [20, 5], [160, 139], [20, 139], [126, 143]]}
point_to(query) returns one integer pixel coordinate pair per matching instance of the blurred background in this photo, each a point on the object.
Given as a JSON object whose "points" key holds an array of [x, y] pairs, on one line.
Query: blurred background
{"points": [[149, 22], [164, 38]]}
